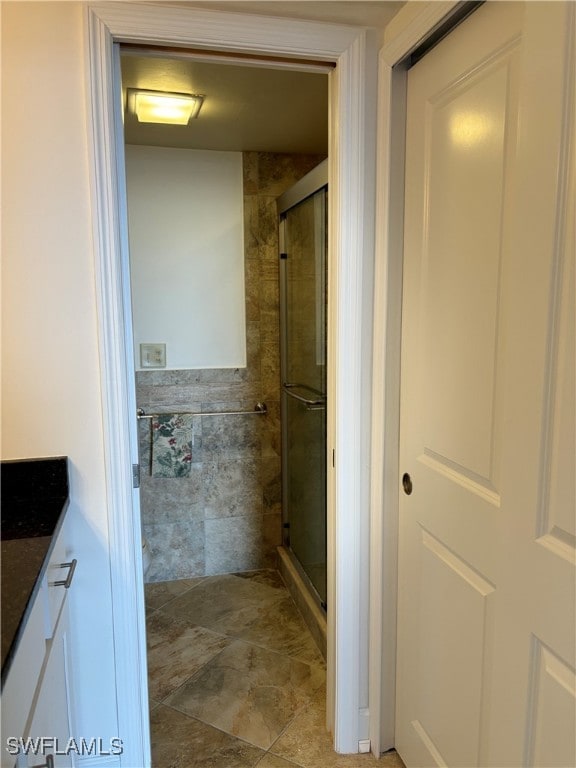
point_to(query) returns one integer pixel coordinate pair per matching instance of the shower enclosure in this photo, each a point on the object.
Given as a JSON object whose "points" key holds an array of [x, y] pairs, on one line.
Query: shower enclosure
{"points": [[302, 212]]}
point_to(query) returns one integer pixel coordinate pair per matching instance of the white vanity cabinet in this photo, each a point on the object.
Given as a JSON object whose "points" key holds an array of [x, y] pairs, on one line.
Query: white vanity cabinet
{"points": [[19, 688], [37, 698], [51, 725]]}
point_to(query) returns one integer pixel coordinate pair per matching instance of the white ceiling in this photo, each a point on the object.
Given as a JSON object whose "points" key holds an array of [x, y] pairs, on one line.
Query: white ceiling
{"points": [[247, 107]]}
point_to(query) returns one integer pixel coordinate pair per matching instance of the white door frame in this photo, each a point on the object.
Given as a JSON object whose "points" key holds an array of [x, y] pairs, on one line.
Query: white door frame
{"points": [[407, 32], [351, 238]]}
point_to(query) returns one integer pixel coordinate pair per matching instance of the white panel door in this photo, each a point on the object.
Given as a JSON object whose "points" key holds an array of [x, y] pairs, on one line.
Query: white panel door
{"points": [[486, 621]]}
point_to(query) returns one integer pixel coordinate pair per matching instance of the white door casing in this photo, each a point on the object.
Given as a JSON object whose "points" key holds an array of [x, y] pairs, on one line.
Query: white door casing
{"points": [[351, 178], [487, 537]]}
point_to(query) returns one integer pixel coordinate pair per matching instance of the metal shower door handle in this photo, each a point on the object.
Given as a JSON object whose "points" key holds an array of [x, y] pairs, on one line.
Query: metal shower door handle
{"points": [[313, 405]]}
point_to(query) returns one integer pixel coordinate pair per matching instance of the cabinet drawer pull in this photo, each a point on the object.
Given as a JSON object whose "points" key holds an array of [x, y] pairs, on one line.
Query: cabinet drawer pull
{"points": [[66, 582], [48, 764]]}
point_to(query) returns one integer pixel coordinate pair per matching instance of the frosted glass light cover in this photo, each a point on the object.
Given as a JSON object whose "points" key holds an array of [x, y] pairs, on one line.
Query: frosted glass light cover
{"points": [[161, 107]]}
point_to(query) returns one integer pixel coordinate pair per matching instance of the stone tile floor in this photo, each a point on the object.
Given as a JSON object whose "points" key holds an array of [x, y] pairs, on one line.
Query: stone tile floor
{"points": [[235, 679]]}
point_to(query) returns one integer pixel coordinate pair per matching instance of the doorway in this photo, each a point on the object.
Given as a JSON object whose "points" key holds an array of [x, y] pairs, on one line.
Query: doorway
{"points": [[352, 147], [203, 233]]}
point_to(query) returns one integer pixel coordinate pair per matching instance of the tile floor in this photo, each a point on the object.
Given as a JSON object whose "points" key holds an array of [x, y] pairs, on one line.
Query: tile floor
{"points": [[235, 679]]}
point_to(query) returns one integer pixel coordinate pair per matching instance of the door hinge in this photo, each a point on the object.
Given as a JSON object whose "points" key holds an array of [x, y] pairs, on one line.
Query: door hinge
{"points": [[135, 475], [283, 255]]}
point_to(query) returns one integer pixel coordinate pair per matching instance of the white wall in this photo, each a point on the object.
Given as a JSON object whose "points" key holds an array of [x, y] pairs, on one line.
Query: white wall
{"points": [[185, 215], [50, 369]]}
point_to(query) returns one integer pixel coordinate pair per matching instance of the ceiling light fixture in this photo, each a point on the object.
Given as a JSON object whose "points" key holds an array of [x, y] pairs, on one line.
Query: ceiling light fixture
{"points": [[164, 107]]}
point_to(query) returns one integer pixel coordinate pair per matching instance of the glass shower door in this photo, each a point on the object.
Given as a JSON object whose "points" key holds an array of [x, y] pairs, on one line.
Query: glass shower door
{"points": [[303, 308]]}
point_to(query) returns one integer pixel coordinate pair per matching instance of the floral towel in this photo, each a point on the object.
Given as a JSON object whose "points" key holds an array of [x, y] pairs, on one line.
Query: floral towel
{"points": [[171, 445]]}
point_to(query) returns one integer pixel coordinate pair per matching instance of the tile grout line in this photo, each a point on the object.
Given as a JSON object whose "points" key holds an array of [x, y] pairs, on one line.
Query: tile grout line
{"points": [[299, 711], [201, 579], [220, 730]]}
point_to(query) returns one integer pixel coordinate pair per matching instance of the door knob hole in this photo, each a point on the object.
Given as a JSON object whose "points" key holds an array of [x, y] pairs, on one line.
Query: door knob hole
{"points": [[407, 483]]}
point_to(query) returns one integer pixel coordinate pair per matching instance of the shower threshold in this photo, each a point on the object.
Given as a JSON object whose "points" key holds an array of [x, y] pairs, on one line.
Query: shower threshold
{"points": [[304, 596]]}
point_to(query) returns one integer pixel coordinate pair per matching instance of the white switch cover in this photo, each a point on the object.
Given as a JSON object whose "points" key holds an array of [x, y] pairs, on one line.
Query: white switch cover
{"points": [[153, 355]]}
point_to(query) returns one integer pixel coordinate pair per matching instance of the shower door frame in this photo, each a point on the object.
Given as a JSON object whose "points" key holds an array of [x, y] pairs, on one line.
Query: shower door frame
{"points": [[352, 162], [312, 183]]}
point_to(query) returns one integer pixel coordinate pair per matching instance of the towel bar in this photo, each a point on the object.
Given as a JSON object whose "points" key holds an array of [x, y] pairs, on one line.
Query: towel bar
{"points": [[260, 409]]}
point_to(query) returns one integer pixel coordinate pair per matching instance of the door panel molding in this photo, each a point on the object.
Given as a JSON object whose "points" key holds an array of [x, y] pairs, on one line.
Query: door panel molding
{"points": [[555, 530], [551, 697]]}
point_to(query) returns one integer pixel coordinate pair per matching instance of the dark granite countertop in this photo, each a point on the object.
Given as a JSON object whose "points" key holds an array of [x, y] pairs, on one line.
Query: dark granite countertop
{"points": [[34, 499]]}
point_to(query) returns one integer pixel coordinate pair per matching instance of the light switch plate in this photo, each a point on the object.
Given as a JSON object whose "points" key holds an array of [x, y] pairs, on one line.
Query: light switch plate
{"points": [[153, 355]]}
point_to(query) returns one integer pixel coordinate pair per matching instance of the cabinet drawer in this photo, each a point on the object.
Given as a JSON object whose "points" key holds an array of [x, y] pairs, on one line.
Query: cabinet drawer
{"points": [[22, 679]]}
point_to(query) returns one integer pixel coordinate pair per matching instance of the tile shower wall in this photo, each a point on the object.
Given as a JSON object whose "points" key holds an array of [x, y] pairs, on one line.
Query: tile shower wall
{"points": [[225, 516]]}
